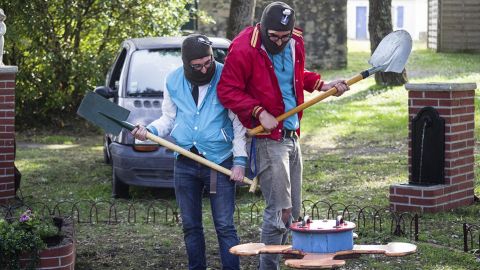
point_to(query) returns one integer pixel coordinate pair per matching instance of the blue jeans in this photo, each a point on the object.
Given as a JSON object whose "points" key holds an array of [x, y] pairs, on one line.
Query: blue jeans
{"points": [[191, 179]]}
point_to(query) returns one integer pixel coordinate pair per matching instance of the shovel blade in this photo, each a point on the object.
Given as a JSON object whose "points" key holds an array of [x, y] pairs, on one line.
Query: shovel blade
{"points": [[393, 51], [103, 113]]}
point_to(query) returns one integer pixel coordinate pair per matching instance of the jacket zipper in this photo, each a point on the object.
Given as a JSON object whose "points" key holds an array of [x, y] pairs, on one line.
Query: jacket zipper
{"points": [[294, 82]]}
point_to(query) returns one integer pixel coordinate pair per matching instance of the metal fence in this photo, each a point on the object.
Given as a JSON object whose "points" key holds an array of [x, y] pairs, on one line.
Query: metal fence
{"points": [[98, 211], [471, 238], [368, 219]]}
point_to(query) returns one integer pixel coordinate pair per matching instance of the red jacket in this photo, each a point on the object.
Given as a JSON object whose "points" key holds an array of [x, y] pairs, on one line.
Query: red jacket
{"points": [[248, 83]]}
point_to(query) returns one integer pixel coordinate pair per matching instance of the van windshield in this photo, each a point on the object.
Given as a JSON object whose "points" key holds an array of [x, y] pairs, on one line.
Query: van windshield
{"points": [[149, 70]]}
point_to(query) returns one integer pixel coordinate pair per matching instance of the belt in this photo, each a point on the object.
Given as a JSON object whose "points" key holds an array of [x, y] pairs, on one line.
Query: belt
{"points": [[195, 151], [288, 133]]}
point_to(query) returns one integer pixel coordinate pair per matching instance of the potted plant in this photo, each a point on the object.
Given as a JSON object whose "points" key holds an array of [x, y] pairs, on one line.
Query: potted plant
{"points": [[22, 239]]}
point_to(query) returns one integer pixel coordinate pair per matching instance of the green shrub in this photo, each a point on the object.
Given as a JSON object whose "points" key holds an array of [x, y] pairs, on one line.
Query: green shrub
{"points": [[24, 236], [62, 54]]}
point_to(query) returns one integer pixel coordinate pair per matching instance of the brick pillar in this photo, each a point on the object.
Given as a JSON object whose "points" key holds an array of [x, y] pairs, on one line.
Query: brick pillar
{"points": [[454, 103], [7, 132]]}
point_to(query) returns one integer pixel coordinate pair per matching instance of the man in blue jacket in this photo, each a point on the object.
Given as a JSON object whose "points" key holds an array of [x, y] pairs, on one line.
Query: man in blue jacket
{"points": [[193, 116]]}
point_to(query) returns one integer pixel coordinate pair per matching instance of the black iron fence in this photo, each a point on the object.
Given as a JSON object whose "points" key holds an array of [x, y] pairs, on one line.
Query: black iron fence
{"points": [[369, 219], [98, 211], [471, 238], [372, 222]]}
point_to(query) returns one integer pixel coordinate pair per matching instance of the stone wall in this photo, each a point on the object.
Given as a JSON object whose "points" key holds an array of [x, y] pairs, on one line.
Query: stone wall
{"points": [[219, 10], [323, 22]]}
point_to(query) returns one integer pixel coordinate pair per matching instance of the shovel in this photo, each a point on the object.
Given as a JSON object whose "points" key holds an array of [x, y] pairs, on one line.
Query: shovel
{"points": [[111, 117], [391, 55]]}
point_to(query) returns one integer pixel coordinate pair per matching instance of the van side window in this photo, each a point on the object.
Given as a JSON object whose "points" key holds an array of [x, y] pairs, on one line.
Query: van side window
{"points": [[117, 70]]}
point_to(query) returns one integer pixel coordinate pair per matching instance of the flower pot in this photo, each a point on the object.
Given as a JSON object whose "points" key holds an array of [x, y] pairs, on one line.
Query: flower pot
{"points": [[60, 254]]}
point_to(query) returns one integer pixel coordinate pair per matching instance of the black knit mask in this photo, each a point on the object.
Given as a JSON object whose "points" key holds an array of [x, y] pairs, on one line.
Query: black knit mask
{"points": [[197, 46], [277, 16]]}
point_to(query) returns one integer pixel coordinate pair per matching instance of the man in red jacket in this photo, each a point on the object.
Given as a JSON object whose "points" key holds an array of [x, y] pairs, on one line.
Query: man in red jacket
{"points": [[264, 77]]}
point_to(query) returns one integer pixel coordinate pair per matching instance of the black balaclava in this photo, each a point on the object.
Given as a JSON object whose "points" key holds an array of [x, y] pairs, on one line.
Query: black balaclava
{"points": [[197, 46], [277, 16]]}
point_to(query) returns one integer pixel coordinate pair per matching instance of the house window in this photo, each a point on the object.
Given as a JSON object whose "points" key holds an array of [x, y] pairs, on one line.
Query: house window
{"points": [[361, 22], [400, 17]]}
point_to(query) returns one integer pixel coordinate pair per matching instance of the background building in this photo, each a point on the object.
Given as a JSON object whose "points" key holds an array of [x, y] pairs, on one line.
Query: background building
{"points": [[410, 15], [454, 25]]}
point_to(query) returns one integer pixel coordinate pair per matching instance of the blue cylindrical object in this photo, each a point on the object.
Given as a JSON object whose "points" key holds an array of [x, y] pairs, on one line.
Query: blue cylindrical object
{"points": [[322, 236]]}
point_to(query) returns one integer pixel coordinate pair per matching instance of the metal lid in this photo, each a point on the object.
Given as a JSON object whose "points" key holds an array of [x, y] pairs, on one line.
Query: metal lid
{"points": [[322, 226]]}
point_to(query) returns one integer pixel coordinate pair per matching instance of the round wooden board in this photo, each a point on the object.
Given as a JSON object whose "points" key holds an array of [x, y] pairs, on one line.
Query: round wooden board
{"points": [[315, 261], [248, 249], [399, 249], [393, 249]]}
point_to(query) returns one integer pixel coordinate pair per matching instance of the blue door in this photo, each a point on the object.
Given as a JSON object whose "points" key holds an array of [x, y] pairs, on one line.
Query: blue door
{"points": [[361, 23], [400, 17]]}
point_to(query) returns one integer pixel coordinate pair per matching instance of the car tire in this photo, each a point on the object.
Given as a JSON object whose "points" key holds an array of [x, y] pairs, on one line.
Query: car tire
{"points": [[106, 154], [119, 188]]}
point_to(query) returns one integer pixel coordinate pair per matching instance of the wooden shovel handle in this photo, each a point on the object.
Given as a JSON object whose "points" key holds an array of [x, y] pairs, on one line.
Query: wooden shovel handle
{"points": [[303, 106], [198, 159]]}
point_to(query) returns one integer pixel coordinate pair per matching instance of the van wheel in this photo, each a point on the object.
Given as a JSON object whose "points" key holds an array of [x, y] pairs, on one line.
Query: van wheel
{"points": [[106, 156], [119, 188]]}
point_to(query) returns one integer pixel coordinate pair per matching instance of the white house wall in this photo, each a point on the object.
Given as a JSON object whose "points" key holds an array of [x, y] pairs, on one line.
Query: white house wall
{"points": [[414, 21]]}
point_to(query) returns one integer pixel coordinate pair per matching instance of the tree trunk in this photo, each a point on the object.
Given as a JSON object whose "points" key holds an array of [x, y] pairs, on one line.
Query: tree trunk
{"points": [[380, 25], [241, 16]]}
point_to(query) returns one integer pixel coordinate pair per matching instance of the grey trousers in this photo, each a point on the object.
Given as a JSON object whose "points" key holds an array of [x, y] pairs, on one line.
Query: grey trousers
{"points": [[279, 166]]}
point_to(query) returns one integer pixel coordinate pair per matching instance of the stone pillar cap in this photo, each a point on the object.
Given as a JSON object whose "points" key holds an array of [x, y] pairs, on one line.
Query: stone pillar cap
{"points": [[440, 86], [8, 69]]}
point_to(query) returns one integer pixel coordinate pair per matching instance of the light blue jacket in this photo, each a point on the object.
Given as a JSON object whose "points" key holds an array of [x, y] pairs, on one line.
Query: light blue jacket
{"points": [[207, 127]]}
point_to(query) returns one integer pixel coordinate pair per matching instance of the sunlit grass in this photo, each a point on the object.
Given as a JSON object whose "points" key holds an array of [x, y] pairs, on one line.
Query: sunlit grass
{"points": [[354, 147]]}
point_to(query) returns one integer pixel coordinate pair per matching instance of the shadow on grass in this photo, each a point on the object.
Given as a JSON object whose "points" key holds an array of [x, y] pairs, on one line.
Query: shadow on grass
{"points": [[372, 90], [149, 193]]}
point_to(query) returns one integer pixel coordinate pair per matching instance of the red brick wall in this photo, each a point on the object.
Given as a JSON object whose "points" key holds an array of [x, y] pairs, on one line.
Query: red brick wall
{"points": [[55, 258], [7, 132], [455, 104]]}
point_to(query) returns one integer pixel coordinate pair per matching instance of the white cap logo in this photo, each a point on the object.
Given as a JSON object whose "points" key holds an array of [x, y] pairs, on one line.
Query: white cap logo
{"points": [[204, 41], [286, 12]]}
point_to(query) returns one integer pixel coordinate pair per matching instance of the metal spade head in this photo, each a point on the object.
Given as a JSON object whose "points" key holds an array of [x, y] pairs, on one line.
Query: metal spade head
{"points": [[392, 53], [104, 113]]}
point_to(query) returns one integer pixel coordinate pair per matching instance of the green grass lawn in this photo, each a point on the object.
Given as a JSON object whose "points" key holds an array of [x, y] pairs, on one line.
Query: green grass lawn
{"points": [[354, 148]]}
